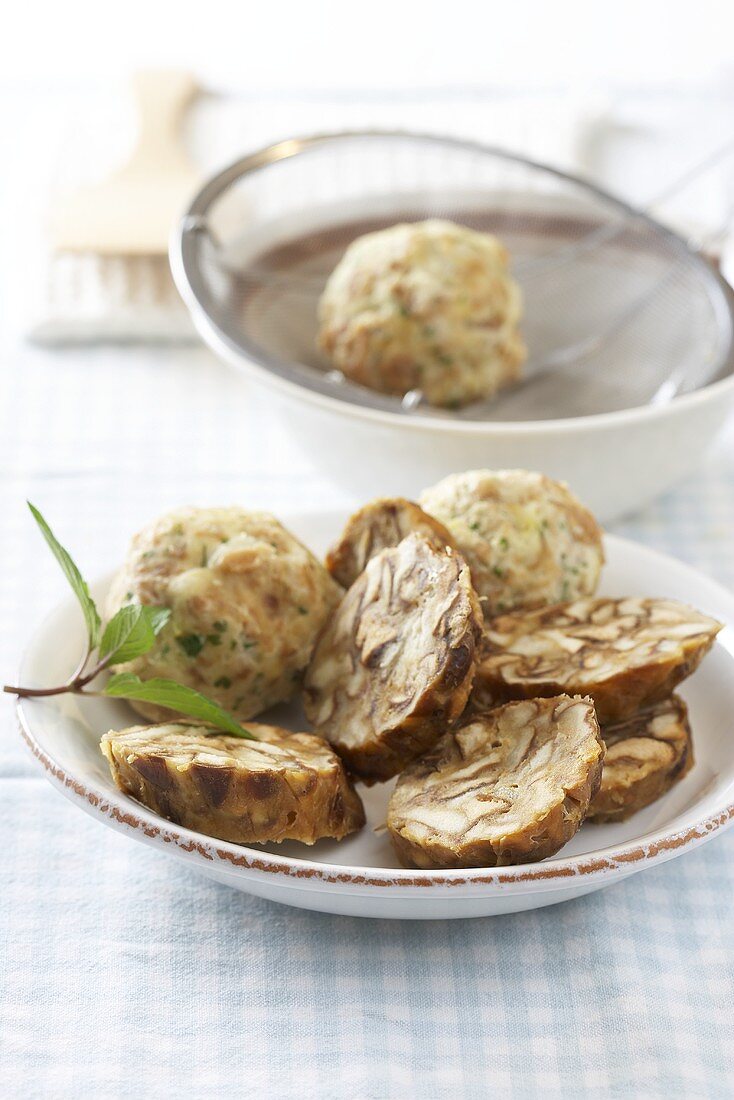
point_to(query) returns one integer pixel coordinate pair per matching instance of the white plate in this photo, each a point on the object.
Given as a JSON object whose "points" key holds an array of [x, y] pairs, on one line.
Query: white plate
{"points": [[360, 876]]}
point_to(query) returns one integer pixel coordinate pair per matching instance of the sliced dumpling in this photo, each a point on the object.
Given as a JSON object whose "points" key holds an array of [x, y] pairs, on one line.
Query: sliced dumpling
{"points": [[626, 654], [393, 668], [509, 786], [646, 755], [284, 786], [381, 524]]}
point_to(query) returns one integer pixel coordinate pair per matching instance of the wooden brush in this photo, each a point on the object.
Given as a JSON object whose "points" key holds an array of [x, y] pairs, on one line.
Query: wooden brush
{"points": [[109, 278]]}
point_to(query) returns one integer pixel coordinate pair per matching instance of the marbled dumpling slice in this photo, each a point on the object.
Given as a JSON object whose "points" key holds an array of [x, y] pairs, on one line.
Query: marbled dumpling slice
{"points": [[283, 786], [509, 786], [380, 524], [625, 653], [645, 756], [393, 668]]}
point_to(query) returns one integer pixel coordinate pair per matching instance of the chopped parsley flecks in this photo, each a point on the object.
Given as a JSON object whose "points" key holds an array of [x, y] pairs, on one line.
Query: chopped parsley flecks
{"points": [[504, 544], [498, 571], [191, 644], [214, 639], [177, 529], [302, 610], [474, 526], [403, 309], [220, 626], [223, 682], [247, 644]]}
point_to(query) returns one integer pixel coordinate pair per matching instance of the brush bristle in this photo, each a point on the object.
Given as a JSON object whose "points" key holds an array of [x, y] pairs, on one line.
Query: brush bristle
{"points": [[117, 299]]}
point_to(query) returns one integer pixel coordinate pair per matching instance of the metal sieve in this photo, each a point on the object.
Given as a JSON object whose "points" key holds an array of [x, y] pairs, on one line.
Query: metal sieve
{"points": [[619, 311]]}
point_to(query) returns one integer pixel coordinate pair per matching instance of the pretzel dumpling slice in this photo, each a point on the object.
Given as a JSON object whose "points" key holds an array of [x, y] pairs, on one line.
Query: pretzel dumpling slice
{"points": [[509, 786], [379, 525], [645, 757], [284, 786], [626, 654], [393, 668]]}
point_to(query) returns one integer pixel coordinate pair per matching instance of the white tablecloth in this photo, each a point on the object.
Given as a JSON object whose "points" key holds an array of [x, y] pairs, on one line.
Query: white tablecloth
{"points": [[125, 975]]}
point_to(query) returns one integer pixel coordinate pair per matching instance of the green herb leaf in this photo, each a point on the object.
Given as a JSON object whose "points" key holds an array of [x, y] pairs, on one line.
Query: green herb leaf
{"points": [[184, 700], [191, 644], [132, 631], [74, 577]]}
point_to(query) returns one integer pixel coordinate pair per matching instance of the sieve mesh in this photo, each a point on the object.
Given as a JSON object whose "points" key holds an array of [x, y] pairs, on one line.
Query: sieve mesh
{"points": [[618, 313]]}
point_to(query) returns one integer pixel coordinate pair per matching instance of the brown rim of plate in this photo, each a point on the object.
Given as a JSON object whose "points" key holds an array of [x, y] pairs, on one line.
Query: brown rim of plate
{"points": [[210, 848]]}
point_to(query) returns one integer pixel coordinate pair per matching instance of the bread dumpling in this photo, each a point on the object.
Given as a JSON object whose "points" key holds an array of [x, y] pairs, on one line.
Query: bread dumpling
{"points": [[526, 538], [426, 306], [247, 601]]}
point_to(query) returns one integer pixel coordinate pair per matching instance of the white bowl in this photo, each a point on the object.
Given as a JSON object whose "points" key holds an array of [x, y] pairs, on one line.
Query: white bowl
{"points": [[615, 462], [621, 424], [360, 875]]}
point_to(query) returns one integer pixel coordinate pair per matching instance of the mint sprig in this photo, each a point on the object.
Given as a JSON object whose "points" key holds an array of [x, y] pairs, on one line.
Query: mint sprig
{"points": [[73, 576], [173, 696], [130, 633]]}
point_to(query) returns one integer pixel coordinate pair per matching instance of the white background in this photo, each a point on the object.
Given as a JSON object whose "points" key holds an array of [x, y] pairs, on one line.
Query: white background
{"points": [[382, 44]]}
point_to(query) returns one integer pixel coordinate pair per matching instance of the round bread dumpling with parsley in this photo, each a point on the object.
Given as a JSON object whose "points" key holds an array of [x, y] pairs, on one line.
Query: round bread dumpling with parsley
{"points": [[247, 601], [527, 540], [425, 306]]}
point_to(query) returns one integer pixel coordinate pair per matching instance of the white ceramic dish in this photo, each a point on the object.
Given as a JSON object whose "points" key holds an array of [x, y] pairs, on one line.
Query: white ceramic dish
{"points": [[360, 876], [616, 462], [621, 424]]}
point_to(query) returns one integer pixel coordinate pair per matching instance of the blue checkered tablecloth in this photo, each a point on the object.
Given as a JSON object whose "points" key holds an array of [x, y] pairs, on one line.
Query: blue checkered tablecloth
{"points": [[124, 975]]}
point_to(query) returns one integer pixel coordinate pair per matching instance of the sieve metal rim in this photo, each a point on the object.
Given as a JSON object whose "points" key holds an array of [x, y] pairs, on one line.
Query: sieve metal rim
{"points": [[350, 399]]}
